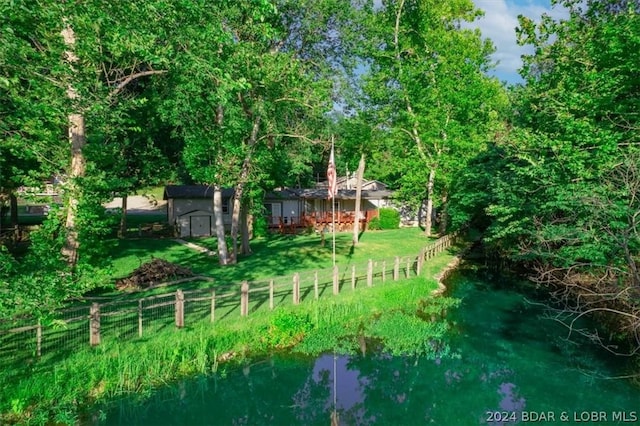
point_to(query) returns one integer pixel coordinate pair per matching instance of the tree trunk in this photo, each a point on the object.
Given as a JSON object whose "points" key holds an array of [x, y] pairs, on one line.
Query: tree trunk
{"points": [[429, 209], [13, 205], [246, 230], [356, 221], [235, 222], [444, 216], [122, 232], [223, 254], [239, 191], [78, 140]]}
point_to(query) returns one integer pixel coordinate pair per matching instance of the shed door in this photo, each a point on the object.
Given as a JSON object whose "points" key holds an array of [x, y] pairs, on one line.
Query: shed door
{"points": [[200, 226]]}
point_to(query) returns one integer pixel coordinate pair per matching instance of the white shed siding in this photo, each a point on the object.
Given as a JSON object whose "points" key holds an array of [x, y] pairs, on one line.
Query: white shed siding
{"points": [[181, 206]]}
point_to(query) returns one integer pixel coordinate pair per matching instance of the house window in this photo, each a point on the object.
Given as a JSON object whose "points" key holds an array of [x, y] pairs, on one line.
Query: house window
{"points": [[225, 207]]}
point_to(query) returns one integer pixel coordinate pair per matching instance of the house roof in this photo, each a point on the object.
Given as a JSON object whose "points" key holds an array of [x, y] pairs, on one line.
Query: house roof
{"points": [[193, 191], [349, 182], [322, 193], [282, 194]]}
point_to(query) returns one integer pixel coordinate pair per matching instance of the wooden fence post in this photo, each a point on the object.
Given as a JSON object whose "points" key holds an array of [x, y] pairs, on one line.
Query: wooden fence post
{"points": [[384, 270], [296, 288], [213, 305], [244, 299], [408, 270], [316, 293], [271, 295], [94, 324], [336, 281], [396, 269], [140, 318], [39, 339], [353, 277], [370, 273], [179, 309], [420, 262]]}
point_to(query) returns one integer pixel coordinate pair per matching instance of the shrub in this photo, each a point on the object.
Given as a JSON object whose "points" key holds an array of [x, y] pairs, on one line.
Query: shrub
{"points": [[374, 224], [389, 218], [260, 226]]}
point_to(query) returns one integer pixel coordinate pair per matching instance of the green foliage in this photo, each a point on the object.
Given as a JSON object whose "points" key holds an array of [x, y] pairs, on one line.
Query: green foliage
{"points": [[554, 192], [33, 101], [43, 265], [260, 226], [287, 328], [403, 334], [374, 224], [389, 218], [426, 93]]}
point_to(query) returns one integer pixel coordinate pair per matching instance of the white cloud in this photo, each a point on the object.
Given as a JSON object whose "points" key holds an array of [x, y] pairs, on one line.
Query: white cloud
{"points": [[499, 24]]}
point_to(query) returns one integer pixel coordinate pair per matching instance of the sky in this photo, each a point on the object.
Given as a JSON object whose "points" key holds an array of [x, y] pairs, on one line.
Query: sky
{"points": [[499, 23]]}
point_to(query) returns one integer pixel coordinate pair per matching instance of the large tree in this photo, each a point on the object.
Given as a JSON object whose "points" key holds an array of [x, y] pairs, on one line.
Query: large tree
{"points": [[251, 92], [108, 47], [427, 91], [562, 195]]}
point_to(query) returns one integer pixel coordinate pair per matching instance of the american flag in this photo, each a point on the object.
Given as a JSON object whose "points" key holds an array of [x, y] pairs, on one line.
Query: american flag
{"points": [[331, 176]]}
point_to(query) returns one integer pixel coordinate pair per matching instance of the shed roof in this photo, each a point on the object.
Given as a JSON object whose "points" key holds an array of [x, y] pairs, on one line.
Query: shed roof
{"points": [[193, 191]]}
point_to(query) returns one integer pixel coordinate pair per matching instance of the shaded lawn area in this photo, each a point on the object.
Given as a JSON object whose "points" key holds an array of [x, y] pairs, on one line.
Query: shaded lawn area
{"points": [[276, 255], [133, 220]]}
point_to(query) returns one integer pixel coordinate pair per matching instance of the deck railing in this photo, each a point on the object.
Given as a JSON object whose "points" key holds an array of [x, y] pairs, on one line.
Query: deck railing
{"points": [[320, 221]]}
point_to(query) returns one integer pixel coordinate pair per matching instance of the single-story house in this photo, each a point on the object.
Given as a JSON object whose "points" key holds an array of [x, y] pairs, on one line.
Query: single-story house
{"points": [[190, 208], [294, 208]]}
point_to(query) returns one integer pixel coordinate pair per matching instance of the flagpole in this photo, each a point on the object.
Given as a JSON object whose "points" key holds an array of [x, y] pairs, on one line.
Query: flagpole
{"points": [[333, 214], [333, 226]]}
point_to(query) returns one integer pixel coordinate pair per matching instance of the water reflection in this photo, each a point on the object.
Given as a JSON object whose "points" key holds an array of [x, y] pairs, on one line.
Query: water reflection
{"points": [[344, 388], [506, 360]]}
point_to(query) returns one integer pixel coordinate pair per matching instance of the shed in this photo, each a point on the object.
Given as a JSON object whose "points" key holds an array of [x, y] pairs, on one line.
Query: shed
{"points": [[190, 209]]}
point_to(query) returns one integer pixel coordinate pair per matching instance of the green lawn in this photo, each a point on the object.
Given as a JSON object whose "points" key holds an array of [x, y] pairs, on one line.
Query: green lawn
{"points": [[276, 255]]}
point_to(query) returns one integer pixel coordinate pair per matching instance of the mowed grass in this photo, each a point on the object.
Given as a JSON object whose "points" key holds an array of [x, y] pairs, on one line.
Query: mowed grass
{"points": [[276, 255]]}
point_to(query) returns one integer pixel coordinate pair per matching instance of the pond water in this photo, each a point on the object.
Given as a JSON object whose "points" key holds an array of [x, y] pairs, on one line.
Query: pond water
{"points": [[511, 366]]}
